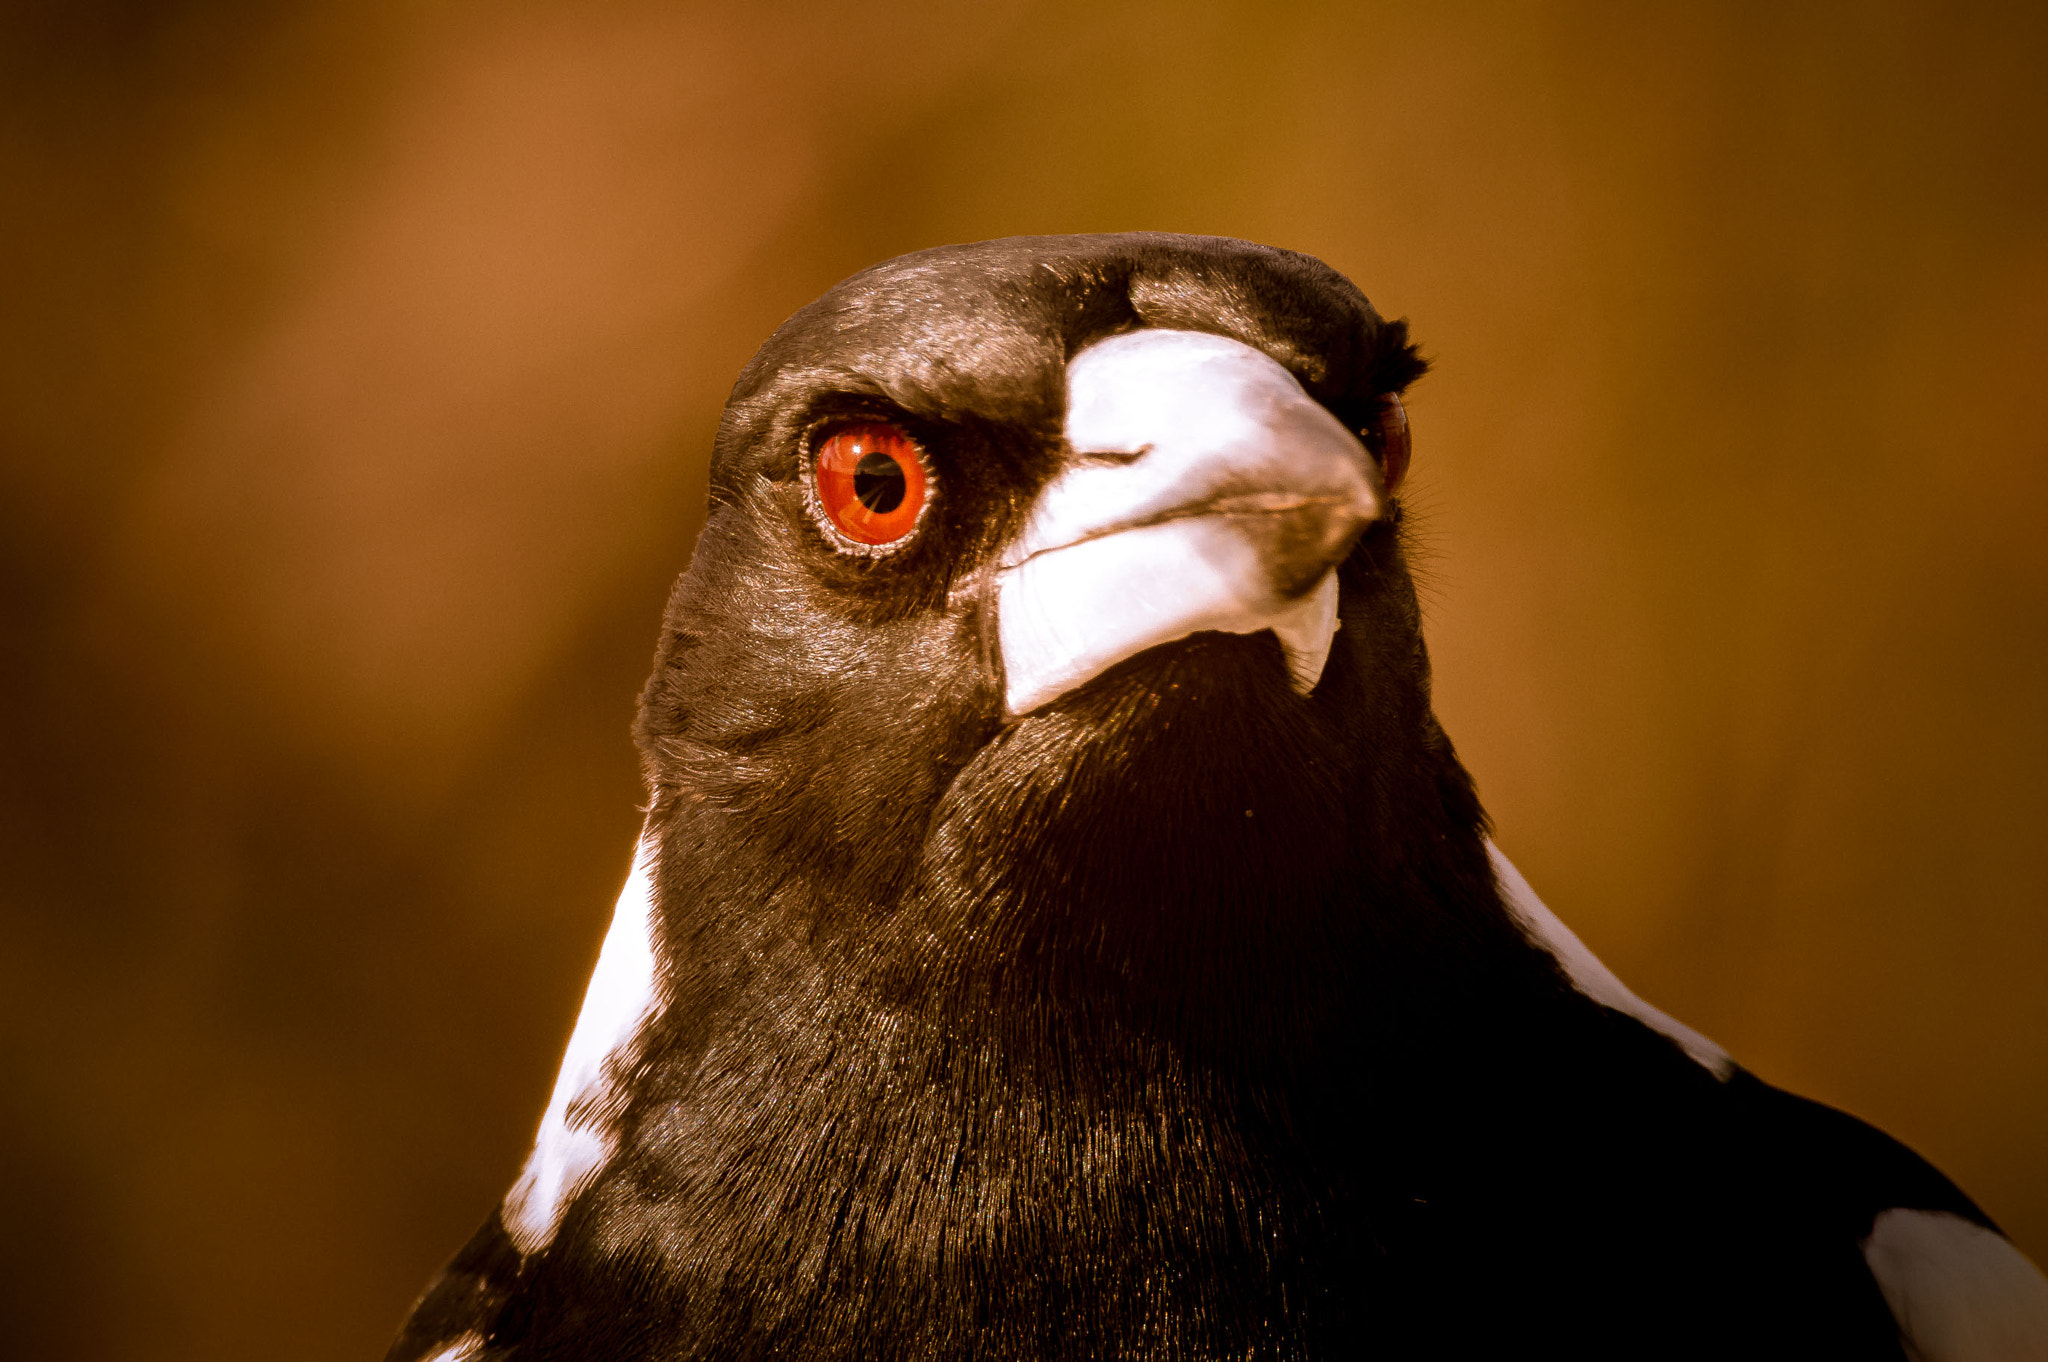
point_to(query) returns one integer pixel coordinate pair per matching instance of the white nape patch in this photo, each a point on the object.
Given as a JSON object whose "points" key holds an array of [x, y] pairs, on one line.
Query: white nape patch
{"points": [[1959, 1292], [462, 1349], [1186, 441], [1586, 972], [570, 1149]]}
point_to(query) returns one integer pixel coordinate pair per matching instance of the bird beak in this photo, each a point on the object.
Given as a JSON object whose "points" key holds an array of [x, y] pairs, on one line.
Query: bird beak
{"points": [[1204, 491]]}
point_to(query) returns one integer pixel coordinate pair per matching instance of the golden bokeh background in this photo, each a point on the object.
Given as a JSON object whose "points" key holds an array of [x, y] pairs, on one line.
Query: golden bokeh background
{"points": [[361, 361]]}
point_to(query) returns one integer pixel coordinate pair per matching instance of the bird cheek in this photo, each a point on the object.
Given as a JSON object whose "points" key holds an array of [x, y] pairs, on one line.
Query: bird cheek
{"points": [[975, 604]]}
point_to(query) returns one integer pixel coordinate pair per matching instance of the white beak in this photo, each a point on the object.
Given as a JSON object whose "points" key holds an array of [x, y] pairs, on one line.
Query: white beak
{"points": [[1206, 491]]}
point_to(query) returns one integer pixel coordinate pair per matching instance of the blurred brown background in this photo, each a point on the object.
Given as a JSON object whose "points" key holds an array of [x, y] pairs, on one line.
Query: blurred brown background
{"points": [[360, 362]]}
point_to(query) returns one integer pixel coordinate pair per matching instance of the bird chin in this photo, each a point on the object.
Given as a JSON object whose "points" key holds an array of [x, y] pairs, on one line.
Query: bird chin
{"points": [[1067, 616]]}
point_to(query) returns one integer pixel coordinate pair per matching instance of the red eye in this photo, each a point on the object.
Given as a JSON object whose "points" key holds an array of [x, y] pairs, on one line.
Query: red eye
{"points": [[871, 483]]}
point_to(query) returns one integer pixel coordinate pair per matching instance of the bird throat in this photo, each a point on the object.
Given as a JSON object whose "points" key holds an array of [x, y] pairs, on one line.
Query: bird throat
{"points": [[1082, 1046]]}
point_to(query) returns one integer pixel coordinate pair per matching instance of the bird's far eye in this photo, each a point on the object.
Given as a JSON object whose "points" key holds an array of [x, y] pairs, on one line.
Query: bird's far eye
{"points": [[1393, 433], [871, 483]]}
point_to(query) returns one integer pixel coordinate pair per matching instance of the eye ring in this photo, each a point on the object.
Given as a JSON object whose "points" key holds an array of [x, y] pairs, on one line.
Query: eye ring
{"points": [[868, 487]]}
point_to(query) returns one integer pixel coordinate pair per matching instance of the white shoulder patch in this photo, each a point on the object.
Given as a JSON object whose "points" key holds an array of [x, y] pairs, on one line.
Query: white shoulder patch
{"points": [[1959, 1292], [571, 1148], [462, 1349], [1586, 972]]}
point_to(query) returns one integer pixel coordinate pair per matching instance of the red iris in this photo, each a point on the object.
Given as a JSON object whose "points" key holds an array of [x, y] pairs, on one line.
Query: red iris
{"points": [[871, 482]]}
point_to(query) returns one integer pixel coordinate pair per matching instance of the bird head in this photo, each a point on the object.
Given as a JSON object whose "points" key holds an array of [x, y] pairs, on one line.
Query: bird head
{"points": [[1052, 868], [1049, 640]]}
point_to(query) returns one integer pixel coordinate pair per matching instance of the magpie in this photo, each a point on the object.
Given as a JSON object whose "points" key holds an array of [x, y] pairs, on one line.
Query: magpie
{"points": [[1061, 928]]}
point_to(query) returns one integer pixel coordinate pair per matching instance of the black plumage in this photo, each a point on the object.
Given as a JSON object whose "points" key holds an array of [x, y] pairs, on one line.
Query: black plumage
{"points": [[1181, 1017]]}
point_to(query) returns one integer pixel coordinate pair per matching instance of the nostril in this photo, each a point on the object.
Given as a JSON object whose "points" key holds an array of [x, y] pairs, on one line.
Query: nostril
{"points": [[1110, 458]]}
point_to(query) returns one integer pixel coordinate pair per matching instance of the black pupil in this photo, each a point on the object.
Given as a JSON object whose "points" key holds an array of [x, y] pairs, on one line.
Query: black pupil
{"points": [[878, 482]]}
